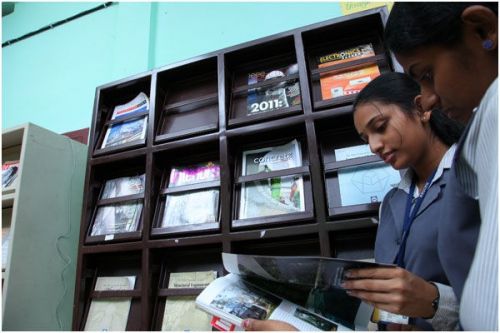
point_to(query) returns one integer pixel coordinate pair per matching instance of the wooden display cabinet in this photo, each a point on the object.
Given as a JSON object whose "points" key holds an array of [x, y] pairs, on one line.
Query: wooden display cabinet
{"points": [[200, 111]]}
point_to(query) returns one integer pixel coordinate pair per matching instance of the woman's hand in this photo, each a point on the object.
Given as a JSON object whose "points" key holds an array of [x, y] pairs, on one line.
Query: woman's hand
{"points": [[266, 325], [392, 289]]}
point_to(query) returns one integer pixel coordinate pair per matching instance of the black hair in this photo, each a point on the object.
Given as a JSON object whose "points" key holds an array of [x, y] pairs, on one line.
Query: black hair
{"points": [[399, 89], [414, 24]]}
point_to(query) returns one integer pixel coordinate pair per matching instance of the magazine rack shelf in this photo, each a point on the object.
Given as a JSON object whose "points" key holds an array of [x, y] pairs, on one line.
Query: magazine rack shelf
{"points": [[207, 116]]}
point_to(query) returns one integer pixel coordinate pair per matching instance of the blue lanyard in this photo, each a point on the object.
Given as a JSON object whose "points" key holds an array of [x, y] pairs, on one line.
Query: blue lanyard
{"points": [[410, 217]]}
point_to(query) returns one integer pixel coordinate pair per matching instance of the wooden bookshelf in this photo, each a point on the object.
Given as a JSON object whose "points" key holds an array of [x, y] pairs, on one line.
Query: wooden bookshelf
{"points": [[199, 111]]}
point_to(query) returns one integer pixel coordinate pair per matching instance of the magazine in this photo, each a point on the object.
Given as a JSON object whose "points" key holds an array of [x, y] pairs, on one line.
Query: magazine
{"points": [[123, 186], [130, 130], [272, 196], [110, 314], [194, 174], [281, 95], [191, 208], [181, 313], [339, 57], [365, 183], [139, 104], [302, 291], [10, 171], [116, 219], [347, 82]]}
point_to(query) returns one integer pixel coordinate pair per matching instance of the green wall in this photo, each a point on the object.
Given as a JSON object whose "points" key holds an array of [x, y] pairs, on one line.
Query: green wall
{"points": [[50, 78]]}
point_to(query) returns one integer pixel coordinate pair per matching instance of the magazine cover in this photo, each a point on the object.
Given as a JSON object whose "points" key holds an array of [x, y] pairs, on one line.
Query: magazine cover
{"points": [[181, 313], [194, 174], [128, 131], [339, 57], [273, 196], [139, 104], [302, 291], [123, 186], [116, 219], [191, 208], [347, 83], [365, 183], [283, 94], [10, 171]]}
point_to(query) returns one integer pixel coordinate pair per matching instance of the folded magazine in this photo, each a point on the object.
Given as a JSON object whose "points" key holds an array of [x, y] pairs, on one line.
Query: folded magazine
{"points": [[302, 291]]}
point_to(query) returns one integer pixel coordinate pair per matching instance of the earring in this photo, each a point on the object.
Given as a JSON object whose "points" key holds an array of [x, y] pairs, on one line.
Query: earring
{"points": [[488, 44]]}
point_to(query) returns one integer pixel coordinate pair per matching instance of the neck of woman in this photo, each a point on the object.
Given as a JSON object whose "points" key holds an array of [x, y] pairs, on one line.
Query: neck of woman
{"points": [[429, 162]]}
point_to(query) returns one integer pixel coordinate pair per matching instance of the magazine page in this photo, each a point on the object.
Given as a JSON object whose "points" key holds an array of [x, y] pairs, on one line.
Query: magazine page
{"points": [[273, 196], [310, 282], [233, 299], [364, 183], [281, 95]]}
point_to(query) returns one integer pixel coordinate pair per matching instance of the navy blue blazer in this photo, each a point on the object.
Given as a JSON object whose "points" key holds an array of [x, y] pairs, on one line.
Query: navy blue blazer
{"points": [[421, 253]]}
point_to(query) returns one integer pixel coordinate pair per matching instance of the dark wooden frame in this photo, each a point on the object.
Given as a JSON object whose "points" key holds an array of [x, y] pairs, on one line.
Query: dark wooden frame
{"points": [[315, 233]]}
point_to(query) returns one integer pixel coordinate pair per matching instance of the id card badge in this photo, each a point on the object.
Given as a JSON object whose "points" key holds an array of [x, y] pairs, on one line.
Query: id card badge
{"points": [[384, 317]]}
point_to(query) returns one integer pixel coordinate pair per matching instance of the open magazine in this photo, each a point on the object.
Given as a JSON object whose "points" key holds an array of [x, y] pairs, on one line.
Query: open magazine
{"points": [[302, 291]]}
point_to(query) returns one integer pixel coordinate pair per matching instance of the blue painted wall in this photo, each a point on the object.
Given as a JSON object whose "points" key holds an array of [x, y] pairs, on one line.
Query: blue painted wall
{"points": [[50, 78]]}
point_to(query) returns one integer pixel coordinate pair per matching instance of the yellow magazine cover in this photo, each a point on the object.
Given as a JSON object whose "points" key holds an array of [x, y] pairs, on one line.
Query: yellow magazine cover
{"points": [[347, 83]]}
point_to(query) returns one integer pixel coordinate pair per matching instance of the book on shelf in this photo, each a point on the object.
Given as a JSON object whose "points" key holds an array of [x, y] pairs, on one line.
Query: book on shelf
{"points": [[348, 82], [110, 314], [302, 291], [5, 244], [115, 219], [364, 184], [194, 174], [346, 55], [181, 313], [129, 130], [272, 196], [283, 94], [10, 171], [192, 207], [123, 186]]}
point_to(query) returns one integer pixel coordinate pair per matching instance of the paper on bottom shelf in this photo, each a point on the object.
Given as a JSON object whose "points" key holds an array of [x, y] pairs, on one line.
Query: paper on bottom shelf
{"points": [[109, 314], [181, 314]]}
